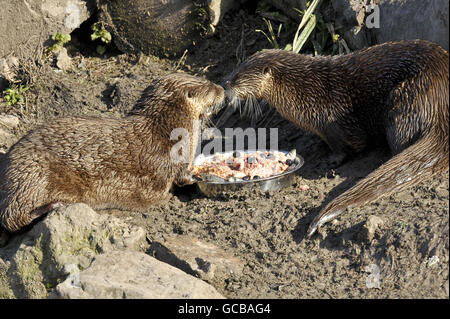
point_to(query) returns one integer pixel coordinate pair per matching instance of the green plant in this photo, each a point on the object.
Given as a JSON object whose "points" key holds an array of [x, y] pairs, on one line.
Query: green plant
{"points": [[272, 38], [60, 39], [309, 21], [14, 95], [101, 33], [311, 27]]}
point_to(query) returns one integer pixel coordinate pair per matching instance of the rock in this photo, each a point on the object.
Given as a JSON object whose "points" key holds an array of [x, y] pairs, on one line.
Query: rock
{"points": [[27, 24], [160, 27], [398, 20], [349, 22], [9, 121], [349, 13], [7, 139], [413, 19], [218, 8], [372, 224], [8, 71], [136, 275], [356, 37], [74, 234], [63, 61], [197, 258]]}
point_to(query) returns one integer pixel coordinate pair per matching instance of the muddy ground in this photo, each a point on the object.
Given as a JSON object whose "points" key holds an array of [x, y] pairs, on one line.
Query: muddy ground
{"points": [[265, 229]]}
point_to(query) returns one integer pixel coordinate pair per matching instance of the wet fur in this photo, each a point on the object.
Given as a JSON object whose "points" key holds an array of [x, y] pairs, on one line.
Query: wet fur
{"points": [[396, 92], [105, 162]]}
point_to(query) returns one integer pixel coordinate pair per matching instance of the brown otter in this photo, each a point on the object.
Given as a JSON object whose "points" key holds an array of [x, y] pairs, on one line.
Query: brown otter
{"points": [[105, 162], [397, 91]]}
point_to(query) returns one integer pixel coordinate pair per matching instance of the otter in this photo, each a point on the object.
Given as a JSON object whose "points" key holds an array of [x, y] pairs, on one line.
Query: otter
{"points": [[396, 92], [121, 163]]}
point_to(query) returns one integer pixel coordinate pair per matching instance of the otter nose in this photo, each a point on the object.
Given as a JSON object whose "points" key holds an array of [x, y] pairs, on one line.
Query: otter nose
{"points": [[226, 84]]}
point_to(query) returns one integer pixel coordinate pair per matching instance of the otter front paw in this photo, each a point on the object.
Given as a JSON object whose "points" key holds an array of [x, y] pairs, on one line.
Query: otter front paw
{"points": [[185, 180]]}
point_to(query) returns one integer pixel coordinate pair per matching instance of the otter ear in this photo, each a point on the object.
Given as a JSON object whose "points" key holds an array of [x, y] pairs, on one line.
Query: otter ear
{"points": [[267, 70]]}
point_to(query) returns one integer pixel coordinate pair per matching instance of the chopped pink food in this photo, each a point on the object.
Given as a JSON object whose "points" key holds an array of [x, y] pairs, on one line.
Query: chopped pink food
{"points": [[246, 166]]}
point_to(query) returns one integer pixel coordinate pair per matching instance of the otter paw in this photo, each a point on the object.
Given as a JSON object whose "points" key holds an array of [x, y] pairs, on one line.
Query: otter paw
{"points": [[45, 209], [186, 180], [321, 219]]}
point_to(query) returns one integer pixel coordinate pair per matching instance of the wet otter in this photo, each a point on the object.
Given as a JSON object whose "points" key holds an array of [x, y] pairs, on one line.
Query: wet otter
{"points": [[105, 162], [397, 91]]}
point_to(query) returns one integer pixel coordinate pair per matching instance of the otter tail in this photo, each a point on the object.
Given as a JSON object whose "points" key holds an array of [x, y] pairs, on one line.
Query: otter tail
{"points": [[427, 157]]}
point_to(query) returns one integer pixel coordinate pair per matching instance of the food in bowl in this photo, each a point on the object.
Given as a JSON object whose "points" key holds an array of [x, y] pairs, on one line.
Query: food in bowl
{"points": [[239, 165]]}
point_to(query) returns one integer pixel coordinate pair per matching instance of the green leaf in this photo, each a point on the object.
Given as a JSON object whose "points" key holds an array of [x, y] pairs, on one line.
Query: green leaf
{"points": [[106, 37], [305, 20], [305, 34], [335, 37]]}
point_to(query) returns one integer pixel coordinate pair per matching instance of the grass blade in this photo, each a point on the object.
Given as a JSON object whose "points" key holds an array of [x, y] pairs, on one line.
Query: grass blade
{"points": [[306, 17], [305, 34]]}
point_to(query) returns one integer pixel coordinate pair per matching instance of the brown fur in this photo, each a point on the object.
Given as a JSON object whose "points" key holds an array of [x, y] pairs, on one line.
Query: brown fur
{"points": [[105, 162], [396, 91]]}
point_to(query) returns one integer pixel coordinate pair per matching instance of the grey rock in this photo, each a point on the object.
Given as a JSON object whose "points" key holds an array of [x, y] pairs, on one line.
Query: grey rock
{"points": [[71, 235], [398, 20], [27, 24], [349, 22], [6, 140], [197, 257], [7, 124], [349, 13], [9, 121], [218, 8], [133, 275], [413, 19], [356, 37], [161, 27], [8, 71]]}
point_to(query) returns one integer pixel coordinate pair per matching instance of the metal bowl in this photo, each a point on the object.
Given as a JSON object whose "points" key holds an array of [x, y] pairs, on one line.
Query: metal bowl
{"points": [[271, 183]]}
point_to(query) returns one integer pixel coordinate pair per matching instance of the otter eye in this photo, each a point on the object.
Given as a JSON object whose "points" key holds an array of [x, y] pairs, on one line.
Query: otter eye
{"points": [[190, 94]]}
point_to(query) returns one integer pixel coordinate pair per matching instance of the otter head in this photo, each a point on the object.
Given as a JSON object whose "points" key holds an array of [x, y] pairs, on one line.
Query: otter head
{"points": [[268, 75], [179, 96], [255, 77], [204, 97]]}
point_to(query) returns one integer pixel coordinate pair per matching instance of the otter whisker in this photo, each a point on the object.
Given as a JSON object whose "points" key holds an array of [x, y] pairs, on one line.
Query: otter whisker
{"points": [[207, 122], [268, 112], [252, 109]]}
